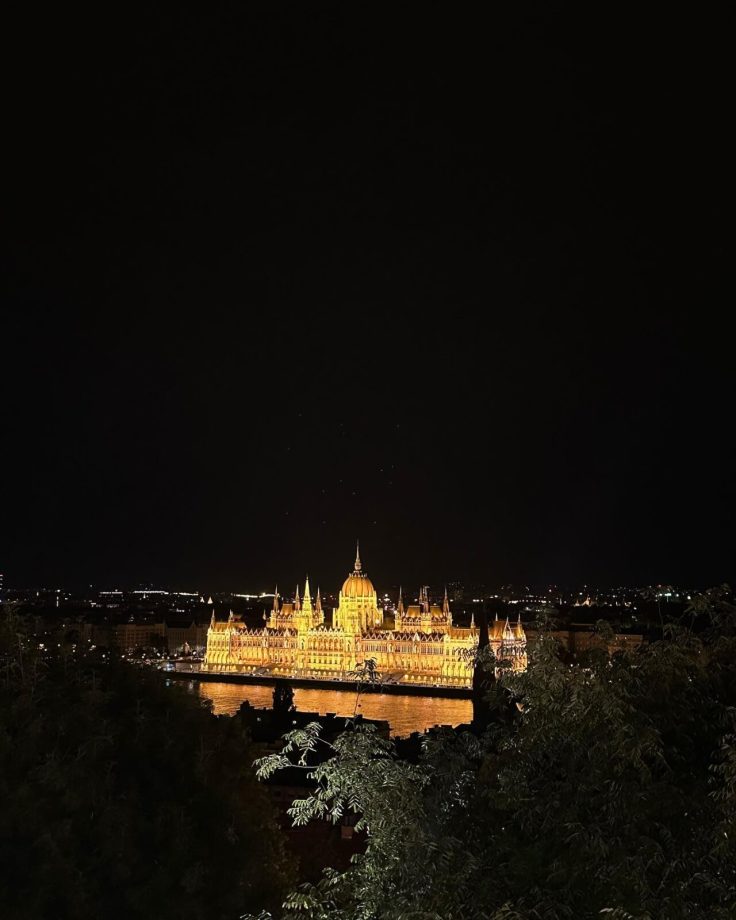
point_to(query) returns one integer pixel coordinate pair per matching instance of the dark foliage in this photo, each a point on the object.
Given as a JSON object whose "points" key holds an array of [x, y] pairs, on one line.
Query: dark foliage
{"points": [[611, 793], [122, 797]]}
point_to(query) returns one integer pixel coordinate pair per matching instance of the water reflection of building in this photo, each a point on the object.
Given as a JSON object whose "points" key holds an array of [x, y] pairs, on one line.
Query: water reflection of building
{"points": [[424, 646]]}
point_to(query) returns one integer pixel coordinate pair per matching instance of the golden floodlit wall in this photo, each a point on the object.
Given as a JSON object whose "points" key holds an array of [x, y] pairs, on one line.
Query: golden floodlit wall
{"points": [[423, 647]]}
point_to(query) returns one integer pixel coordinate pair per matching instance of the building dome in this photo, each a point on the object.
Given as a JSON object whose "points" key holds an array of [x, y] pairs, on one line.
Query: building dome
{"points": [[358, 584]]}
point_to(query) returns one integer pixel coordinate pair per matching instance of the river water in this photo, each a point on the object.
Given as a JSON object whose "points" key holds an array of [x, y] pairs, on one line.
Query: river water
{"points": [[406, 714]]}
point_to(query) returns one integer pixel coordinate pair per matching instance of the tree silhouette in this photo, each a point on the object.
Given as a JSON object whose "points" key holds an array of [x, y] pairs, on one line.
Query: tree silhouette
{"points": [[283, 698], [124, 797], [611, 793]]}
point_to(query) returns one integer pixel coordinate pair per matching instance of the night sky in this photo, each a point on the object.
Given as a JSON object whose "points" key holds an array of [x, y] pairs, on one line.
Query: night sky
{"points": [[278, 279]]}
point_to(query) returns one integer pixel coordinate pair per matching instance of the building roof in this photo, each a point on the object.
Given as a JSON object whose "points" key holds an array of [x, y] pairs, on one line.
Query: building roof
{"points": [[357, 584]]}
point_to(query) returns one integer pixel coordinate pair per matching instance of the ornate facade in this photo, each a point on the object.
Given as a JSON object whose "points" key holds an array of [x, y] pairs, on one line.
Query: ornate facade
{"points": [[423, 647]]}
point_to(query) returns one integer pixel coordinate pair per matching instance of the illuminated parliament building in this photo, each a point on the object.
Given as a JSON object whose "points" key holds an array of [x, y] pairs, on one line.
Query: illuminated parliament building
{"points": [[423, 647]]}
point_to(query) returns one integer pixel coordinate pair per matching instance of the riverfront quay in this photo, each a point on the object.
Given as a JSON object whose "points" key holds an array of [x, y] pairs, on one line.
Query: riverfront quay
{"points": [[201, 674]]}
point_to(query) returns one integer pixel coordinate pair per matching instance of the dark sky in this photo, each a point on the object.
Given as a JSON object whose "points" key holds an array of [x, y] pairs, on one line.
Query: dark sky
{"points": [[280, 278]]}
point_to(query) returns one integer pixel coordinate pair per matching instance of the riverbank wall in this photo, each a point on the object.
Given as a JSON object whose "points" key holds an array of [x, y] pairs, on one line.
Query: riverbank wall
{"points": [[463, 693]]}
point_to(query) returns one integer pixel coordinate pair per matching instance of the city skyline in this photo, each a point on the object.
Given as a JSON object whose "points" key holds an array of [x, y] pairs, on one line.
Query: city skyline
{"points": [[287, 588]]}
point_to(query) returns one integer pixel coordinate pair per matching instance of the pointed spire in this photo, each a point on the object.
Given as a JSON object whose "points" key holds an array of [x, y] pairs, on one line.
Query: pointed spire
{"points": [[400, 606], [472, 620], [212, 619], [264, 615], [318, 602], [297, 600], [446, 603], [307, 604], [276, 599], [424, 599], [358, 564]]}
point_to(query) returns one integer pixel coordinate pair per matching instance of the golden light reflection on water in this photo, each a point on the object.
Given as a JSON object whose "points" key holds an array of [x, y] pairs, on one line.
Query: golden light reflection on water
{"points": [[405, 713]]}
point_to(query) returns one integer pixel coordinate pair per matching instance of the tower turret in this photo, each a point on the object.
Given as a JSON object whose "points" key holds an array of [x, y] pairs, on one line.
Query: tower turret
{"points": [[274, 619], [425, 610], [303, 612], [318, 612], [446, 612]]}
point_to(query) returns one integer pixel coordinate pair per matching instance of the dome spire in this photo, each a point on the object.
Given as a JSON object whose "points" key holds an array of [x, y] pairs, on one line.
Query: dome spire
{"points": [[358, 564]]}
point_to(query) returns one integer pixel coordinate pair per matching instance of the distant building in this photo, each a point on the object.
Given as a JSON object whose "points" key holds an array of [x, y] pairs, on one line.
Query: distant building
{"points": [[424, 647], [165, 636], [581, 637], [129, 636], [193, 635]]}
